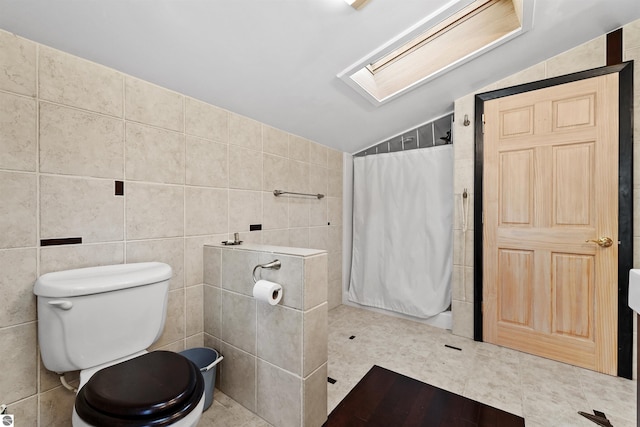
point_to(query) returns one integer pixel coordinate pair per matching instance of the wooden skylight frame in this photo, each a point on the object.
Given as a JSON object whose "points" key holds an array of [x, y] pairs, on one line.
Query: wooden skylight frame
{"points": [[455, 34]]}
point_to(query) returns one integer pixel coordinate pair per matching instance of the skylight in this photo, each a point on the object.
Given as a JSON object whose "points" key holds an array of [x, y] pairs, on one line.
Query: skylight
{"points": [[455, 34]]}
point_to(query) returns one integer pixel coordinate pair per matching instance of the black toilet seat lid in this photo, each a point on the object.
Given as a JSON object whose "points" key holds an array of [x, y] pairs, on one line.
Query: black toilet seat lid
{"points": [[157, 388]]}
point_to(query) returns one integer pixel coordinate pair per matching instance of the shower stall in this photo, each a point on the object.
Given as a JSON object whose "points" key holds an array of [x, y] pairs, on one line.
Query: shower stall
{"points": [[402, 244]]}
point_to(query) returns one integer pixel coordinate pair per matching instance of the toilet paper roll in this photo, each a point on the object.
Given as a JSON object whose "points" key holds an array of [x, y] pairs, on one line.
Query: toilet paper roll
{"points": [[267, 291]]}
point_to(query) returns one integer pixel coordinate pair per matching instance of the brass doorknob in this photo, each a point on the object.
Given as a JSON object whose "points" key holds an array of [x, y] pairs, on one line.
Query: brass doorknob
{"points": [[604, 242]]}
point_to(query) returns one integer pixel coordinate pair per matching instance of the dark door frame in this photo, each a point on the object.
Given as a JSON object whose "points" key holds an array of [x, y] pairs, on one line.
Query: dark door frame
{"points": [[625, 197]]}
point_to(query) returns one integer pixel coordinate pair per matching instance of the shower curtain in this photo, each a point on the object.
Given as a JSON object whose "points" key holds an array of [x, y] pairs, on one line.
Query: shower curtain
{"points": [[402, 231]]}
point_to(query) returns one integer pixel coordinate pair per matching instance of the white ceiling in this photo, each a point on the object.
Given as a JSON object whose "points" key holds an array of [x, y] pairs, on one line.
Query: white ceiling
{"points": [[276, 60]]}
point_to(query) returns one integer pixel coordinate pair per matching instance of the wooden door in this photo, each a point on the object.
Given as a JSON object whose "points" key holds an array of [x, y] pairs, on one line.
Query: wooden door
{"points": [[550, 184]]}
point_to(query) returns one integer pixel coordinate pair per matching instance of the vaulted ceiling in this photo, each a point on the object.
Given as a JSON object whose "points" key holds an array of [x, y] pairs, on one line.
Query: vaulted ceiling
{"points": [[277, 61]]}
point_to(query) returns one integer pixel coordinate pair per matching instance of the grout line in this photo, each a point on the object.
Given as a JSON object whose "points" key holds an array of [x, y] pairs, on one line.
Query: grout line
{"points": [[38, 251]]}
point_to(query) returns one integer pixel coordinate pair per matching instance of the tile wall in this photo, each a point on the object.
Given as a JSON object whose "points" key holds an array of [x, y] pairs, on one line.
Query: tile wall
{"points": [[275, 356], [584, 57], [193, 173]]}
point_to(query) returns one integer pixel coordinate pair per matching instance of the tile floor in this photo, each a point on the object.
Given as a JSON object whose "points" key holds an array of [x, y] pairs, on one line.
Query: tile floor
{"points": [[544, 392]]}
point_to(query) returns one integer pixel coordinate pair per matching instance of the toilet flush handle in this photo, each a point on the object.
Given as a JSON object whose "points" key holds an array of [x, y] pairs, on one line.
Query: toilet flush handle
{"points": [[64, 305]]}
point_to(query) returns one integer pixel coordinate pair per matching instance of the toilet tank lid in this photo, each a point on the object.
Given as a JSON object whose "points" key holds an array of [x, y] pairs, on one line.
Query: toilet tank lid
{"points": [[94, 280]]}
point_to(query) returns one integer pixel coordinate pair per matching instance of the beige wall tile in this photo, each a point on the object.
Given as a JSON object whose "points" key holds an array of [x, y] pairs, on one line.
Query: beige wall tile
{"points": [[636, 211], [154, 211], [335, 185], [17, 210], [19, 355], [318, 154], [50, 380], [194, 257], [237, 268], [73, 81], [17, 131], [78, 207], [299, 148], [315, 282], [298, 177], [631, 35], [154, 155], [334, 160], [195, 341], [334, 236], [314, 398], [318, 238], [245, 208], [457, 289], [245, 168], [462, 313], [334, 294], [56, 407], [588, 55], [276, 237], [73, 142], [334, 261], [239, 321], [463, 175], [275, 141], [286, 411], [275, 173], [207, 163], [206, 121], [299, 237], [17, 276], [468, 284], [250, 236], [238, 376], [279, 336], [463, 249], [299, 211], [212, 266], [318, 179], [176, 346], [59, 258], [212, 317], [153, 105], [315, 352], [174, 325], [169, 251], [245, 132], [194, 309], [18, 59], [275, 214], [334, 211], [206, 211], [318, 212]]}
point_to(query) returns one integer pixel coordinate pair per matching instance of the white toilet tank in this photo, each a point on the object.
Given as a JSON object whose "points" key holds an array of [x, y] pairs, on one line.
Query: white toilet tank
{"points": [[90, 316]]}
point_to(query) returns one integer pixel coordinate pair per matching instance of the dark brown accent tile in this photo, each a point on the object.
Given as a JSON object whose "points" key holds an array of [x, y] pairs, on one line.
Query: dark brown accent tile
{"points": [[58, 242]]}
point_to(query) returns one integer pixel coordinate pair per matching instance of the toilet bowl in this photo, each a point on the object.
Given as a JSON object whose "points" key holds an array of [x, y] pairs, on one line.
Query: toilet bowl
{"points": [[101, 320]]}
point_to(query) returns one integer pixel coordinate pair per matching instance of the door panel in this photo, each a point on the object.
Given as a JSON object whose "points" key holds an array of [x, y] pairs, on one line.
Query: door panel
{"points": [[550, 184]]}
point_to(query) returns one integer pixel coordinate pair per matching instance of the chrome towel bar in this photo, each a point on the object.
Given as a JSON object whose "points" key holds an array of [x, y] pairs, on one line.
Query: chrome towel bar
{"points": [[280, 193]]}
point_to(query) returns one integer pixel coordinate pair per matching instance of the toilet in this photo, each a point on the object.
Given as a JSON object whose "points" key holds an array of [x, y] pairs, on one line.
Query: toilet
{"points": [[101, 320]]}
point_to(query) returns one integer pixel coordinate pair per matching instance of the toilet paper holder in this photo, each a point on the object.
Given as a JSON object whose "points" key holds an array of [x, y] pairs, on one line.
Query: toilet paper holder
{"points": [[274, 265]]}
